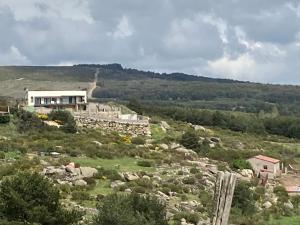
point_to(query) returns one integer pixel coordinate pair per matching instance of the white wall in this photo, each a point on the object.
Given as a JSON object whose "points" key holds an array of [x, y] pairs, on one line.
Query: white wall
{"points": [[55, 94], [258, 165]]}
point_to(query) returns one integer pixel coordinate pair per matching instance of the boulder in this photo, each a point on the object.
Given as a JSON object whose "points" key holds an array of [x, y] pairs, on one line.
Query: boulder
{"points": [[164, 146], [267, 205], [80, 183], [247, 173], [116, 183], [182, 150], [146, 177], [198, 127], [288, 205], [165, 125], [215, 139], [174, 145], [130, 176], [88, 171], [97, 143]]}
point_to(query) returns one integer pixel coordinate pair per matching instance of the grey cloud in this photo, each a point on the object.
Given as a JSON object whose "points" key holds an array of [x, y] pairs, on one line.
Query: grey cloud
{"points": [[207, 37]]}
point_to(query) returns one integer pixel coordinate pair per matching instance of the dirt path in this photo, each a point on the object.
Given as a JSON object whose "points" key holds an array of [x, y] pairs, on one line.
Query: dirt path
{"points": [[93, 85]]}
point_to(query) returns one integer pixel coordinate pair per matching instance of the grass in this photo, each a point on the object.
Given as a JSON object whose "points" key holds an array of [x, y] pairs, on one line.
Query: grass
{"points": [[286, 221], [125, 164], [102, 187]]}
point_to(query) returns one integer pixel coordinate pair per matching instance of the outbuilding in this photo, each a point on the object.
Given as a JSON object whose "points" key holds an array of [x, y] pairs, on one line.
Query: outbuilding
{"points": [[266, 165]]}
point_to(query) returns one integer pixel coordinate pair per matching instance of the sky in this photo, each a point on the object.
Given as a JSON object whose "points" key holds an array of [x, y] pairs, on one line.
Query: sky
{"points": [[250, 40]]}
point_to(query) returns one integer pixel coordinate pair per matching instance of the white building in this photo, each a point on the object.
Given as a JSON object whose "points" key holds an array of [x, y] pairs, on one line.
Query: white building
{"points": [[70, 100], [265, 165]]}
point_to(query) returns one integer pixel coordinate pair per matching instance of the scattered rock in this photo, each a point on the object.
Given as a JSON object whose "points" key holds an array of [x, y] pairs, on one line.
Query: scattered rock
{"points": [[88, 171], [164, 125], [130, 176], [80, 183], [247, 173], [97, 143], [215, 139], [289, 205], [174, 145], [146, 177], [198, 127], [267, 205], [116, 183], [164, 146]]}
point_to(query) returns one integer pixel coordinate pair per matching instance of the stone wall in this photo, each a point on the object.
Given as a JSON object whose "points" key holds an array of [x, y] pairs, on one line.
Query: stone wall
{"points": [[138, 127]]}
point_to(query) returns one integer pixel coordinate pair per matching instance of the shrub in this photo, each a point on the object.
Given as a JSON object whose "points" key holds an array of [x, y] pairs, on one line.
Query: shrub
{"points": [[66, 118], [2, 155], [80, 195], [130, 209], [110, 174], [5, 119], [144, 163], [138, 141], [240, 164], [281, 194], [243, 198], [194, 170], [190, 217], [33, 198], [190, 139], [189, 180]]}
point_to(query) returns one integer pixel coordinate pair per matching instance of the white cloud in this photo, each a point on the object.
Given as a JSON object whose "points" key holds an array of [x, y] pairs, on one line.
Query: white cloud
{"points": [[13, 57], [250, 40], [123, 29]]}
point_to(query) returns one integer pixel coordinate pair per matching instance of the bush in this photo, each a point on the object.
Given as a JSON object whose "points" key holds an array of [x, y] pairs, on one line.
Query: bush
{"points": [[194, 170], [281, 194], [190, 217], [80, 195], [189, 180], [110, 174], [132, 209], [240, 164], [138, 141], [190, 139], [66, 118], [5, 119], [243, 198], [144, 163], [33, 198], [2, 155]]}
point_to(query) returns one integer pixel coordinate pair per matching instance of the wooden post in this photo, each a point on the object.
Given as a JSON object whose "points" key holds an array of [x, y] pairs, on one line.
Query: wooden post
{"points": [[224, 190]]}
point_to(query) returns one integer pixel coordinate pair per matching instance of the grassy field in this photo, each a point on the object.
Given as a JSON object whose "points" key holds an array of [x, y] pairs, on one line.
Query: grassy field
{"points": [[121, 164], [286, 221]]}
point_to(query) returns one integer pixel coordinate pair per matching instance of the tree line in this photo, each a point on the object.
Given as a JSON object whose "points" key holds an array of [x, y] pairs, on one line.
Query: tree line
{"points": [[242, 122]]}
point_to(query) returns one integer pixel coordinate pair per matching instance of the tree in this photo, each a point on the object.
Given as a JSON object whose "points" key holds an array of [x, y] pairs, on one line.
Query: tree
{"points": [[190, 139], [243, 198], [32, 198], [66, 118], [132, 209]]}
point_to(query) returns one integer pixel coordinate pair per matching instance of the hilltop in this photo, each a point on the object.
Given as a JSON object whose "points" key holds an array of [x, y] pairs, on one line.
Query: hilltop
{"points": [[116, 82]]}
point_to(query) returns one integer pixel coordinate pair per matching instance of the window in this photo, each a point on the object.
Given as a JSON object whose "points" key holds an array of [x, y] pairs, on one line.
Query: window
{"points": [[265, 167]]}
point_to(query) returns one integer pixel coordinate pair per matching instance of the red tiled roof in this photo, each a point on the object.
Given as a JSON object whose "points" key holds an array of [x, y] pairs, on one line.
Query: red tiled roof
{"points": [[266, 158]]}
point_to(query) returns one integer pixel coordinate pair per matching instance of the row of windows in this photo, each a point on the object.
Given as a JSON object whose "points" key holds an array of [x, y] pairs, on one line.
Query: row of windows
{"points": [[65, 100]]}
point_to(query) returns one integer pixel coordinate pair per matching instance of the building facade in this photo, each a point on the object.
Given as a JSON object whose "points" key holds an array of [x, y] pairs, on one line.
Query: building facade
{"points": [[60, 100], [265, 165]]}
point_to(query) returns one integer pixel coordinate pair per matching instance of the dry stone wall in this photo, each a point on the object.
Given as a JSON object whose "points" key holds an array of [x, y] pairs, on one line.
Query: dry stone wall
{"points": [[138, 127]]}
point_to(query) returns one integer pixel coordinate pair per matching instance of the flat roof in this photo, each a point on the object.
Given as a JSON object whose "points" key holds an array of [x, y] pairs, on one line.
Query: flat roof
{"points": [[292, 189], [266, 158]]}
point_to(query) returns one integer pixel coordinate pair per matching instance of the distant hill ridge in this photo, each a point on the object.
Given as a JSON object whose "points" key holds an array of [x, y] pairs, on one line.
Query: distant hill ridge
{"points": [[134, 73]]}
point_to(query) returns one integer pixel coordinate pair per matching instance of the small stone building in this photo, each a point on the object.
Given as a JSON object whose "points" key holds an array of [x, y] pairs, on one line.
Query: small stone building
{"points": [[265, 165]]}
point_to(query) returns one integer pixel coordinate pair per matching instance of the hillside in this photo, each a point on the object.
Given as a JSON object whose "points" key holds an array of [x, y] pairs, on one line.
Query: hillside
{"points": [[116, 82]]}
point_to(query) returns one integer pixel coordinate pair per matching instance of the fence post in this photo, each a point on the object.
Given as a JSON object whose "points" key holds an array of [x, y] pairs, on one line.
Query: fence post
{"points": [[224, 190]]}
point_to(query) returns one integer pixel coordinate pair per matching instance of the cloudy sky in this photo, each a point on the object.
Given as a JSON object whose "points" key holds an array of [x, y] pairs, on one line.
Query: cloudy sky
{"points": [[256, 40]]}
